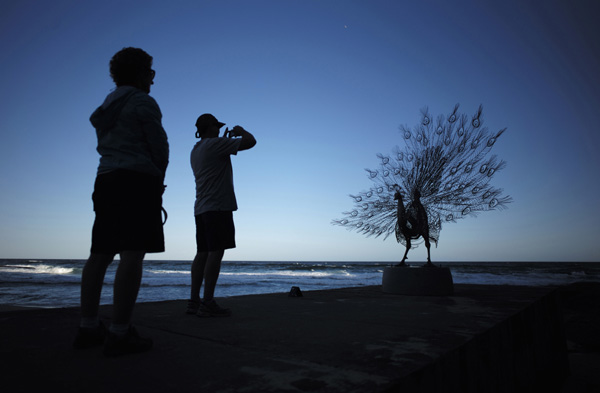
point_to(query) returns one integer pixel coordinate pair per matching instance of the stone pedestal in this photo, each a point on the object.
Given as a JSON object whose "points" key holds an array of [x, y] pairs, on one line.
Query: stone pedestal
{"points": [[428, 281]]}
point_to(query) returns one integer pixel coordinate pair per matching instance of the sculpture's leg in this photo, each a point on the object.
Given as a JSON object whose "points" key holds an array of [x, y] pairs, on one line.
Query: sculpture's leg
{"points": [[402, 263], [428, 245]]}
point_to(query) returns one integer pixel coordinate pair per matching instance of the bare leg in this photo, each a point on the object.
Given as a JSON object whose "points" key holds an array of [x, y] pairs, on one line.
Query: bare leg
{"points": [[198, 267], [127, 285], [92, 279], [211, 273]]}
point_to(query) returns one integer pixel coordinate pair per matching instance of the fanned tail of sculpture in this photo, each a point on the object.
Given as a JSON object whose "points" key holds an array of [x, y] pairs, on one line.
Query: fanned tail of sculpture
{"points": [[443, 171]]}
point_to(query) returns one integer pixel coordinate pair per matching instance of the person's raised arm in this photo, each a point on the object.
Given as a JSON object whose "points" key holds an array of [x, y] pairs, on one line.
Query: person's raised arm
{"points": [[248, 140]]}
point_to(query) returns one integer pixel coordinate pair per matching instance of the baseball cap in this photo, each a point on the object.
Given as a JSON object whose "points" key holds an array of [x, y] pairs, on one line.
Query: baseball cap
{"points": [[206, 120]]}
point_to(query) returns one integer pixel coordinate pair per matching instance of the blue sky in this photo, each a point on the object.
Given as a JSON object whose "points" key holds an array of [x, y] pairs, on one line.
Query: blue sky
{"points": [[324, 86]]}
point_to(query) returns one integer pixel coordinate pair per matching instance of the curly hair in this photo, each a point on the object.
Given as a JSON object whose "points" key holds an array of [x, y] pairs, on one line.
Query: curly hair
{"points": [[127, 64]]}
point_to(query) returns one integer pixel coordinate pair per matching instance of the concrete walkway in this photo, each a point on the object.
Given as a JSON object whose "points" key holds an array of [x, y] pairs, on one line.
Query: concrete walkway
{"points": [[480, 339]]}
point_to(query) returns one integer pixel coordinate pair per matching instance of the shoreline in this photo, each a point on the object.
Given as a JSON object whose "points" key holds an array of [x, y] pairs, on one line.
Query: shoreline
{"points": [[57, 283], [11, 307]]}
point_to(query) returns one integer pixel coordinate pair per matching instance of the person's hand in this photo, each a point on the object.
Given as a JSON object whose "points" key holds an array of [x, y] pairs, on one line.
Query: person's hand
{"points": [[237, 131]]}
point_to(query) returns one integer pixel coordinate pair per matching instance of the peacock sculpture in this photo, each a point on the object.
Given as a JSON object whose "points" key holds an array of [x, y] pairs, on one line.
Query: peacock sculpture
{"points": [[443, 174]]}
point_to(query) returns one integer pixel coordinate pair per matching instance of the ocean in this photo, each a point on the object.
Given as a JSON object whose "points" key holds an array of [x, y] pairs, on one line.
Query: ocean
{"points": [[51, 283]]}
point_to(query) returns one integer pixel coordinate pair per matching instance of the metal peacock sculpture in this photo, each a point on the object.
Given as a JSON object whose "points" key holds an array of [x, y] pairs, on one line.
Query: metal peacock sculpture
{"points": [[444, 173]]}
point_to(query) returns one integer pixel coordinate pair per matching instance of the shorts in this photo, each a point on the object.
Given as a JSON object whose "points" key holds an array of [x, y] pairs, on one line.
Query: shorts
{"points": [[215, 231], [128, 213]]}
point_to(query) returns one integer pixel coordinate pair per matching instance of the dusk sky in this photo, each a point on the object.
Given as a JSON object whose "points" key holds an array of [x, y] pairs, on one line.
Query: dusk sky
{"points": [[324, 86]]}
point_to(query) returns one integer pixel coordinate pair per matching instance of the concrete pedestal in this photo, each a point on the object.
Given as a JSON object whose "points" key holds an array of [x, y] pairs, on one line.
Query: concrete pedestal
{"points": [[428, 281]]}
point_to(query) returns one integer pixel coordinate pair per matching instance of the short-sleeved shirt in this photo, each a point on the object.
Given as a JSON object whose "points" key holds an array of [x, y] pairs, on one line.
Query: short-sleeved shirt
{"points": [[211, 164]]}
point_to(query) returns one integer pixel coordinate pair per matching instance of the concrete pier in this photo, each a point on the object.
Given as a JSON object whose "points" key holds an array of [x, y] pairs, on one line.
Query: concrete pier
{"points": [[480, 339]]}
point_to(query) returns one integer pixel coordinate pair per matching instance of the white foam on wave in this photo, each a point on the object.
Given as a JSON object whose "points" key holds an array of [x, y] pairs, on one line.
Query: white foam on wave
{"points": [[262, 274], [36, 269], [182, 272], [284, 273], [579, 274]]}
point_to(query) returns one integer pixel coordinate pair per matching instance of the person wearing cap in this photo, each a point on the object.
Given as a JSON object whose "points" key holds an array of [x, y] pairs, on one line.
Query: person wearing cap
{"points": [[214, 207]]}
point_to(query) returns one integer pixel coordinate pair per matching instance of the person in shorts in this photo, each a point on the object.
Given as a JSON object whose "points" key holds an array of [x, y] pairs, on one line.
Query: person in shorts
{"points": [[214, 207], [127, 197]]}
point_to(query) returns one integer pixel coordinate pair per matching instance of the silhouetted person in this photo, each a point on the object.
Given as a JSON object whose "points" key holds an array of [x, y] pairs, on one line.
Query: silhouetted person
{"points": [[215, 203], [134, 154]]}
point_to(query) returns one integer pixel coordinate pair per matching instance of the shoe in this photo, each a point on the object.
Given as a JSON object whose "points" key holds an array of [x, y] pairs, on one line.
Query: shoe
{"points": [[210, 308], [192, 306], [130, 343], [90, 337]]}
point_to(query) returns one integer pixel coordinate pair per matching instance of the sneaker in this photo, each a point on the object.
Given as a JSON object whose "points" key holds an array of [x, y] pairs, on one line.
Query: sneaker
{"points": [[192, 306], [130, 343], [210, 308], [90, 337]]}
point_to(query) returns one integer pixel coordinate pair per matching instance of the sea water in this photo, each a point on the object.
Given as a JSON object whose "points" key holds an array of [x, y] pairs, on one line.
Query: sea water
{"points": [[56, 283]]}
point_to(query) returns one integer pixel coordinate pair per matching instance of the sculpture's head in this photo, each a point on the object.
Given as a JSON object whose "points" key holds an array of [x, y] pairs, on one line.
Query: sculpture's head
{"points": [[398, 193], [417, 195]]}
